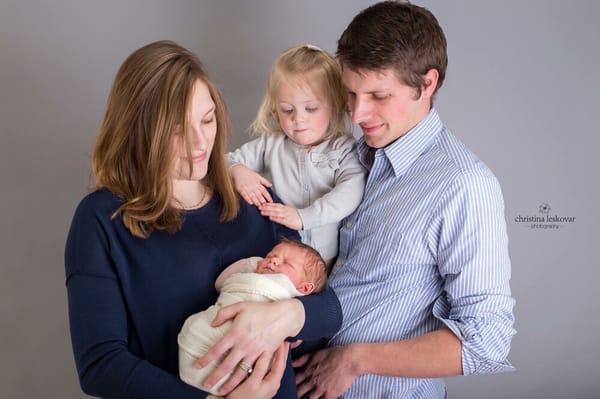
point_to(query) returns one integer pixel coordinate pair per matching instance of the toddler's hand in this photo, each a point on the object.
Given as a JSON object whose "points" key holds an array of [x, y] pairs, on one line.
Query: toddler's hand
{"points": [[282, 214], [250, 185]]}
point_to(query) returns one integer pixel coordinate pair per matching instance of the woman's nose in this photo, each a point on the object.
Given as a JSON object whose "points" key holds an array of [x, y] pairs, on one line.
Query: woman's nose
{"points": [[198, 139]]}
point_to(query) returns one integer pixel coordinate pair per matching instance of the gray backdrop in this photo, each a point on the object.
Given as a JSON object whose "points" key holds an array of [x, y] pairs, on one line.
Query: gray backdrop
{"points": [[521, 91]]}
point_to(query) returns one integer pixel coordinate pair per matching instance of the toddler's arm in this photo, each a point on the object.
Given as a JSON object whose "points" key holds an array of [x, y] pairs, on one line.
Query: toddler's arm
{"points": [[250, 155], [245, 165], [343, 199]]}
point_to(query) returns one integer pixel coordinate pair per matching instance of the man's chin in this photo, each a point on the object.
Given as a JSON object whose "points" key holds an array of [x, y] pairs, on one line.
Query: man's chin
{"points": [[375, 142]]}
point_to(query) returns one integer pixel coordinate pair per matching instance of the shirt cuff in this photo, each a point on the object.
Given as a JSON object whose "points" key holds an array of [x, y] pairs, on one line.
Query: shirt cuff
{"points": [[323, 315], [309, 217], [473, 346]]}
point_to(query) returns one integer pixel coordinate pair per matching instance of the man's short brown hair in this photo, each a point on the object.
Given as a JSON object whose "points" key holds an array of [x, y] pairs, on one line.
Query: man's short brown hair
{"points": [[397, 35]]}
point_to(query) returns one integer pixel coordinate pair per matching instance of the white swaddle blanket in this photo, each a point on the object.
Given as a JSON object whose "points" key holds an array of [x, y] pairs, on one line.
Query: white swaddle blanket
{"points": [[197, 335]]}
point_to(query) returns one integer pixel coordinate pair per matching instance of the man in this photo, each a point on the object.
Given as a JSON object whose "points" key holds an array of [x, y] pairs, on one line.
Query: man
{"points": [[423, 269]]}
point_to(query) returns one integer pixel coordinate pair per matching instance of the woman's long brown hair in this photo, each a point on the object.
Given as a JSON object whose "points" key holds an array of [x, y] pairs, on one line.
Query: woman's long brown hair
{"points": [[133, 156]]}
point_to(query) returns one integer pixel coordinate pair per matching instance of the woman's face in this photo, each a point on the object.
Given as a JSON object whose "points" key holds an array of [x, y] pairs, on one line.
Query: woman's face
{"points": [[203, 129]]}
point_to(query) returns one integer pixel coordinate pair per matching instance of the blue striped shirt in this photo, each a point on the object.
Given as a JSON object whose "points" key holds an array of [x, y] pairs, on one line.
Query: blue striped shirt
{"points": [[426, 248]]}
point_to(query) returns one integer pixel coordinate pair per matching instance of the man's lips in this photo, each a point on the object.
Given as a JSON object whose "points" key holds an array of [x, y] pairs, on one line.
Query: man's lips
{"points": [[371, 128]]}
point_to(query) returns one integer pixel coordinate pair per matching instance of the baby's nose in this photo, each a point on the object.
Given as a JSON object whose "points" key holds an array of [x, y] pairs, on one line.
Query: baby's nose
{"points": [[273, 262]]}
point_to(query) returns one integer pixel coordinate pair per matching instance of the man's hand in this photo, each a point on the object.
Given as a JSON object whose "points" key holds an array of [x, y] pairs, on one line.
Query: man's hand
{"points": [[282, 214], [251, 185], [327, 373]]}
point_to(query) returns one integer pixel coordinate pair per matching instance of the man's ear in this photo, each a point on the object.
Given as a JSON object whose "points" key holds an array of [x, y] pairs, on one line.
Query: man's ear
{"points": [[431, 81], [306, 288]]}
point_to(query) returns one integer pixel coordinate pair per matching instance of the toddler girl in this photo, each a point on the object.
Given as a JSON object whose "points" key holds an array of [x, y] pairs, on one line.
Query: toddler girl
{"points": [[304, 149]]}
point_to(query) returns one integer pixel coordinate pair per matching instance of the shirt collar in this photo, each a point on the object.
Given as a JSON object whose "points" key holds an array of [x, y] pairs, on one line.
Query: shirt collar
{"points": [[405, 150]]}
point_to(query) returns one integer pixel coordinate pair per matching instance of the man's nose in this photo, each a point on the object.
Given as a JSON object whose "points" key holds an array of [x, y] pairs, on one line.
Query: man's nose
{"points": [[359, 110]]}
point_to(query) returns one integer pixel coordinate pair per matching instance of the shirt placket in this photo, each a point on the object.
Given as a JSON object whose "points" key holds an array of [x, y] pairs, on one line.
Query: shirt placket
{"points": [[305, 176]]}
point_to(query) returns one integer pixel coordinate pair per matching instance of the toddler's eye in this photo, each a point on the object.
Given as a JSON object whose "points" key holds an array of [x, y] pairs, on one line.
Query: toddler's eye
{"points": [[311, 109], [287, 110]]}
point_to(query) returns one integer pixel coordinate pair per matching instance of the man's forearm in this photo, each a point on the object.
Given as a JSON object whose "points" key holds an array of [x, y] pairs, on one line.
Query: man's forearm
{"points": [[433, 355]]}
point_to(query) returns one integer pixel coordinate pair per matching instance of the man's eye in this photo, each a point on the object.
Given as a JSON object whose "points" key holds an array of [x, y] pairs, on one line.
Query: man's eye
{"points": [[378, 96]]}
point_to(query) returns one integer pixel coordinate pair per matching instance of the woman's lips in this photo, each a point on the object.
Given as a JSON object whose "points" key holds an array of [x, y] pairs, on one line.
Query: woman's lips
{"points": [[199, 158]]}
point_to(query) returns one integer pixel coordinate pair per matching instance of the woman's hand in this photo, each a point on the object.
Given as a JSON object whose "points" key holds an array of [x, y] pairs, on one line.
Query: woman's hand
{"points": [[264, 381], [251, 185], [256, 328], [282, 214], [327, 373]]}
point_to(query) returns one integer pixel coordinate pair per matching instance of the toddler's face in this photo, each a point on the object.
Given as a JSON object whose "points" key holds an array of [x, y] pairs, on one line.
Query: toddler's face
{"points": [[289, 260], [303, 115]]}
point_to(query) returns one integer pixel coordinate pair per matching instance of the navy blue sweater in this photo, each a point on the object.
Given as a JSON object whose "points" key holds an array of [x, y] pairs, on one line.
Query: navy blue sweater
{"points": [[128, 297]]}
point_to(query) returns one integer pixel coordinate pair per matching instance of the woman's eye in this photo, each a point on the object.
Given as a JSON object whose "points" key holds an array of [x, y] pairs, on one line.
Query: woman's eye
{"points": [[287, 111], [208, 121], [309, 109]]}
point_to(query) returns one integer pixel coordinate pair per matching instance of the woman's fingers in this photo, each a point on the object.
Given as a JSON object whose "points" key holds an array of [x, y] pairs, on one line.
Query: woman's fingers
{"points": [[227, 313], [226, 342], [214, 353], [227, 366], [278, 363], [239, 374], [261, 367]]}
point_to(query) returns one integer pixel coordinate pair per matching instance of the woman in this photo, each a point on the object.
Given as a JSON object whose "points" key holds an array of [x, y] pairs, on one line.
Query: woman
{"points": [[146, 247]]}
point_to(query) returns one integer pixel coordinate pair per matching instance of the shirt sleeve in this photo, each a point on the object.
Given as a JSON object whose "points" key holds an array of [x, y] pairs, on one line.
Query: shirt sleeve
{"points": [[468, 234], [343, 198], [251, 154], [323, 315], [99, 323]]}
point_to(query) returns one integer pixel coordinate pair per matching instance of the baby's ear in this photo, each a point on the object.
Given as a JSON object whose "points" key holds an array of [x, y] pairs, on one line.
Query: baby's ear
{"points": [[306, 288]]}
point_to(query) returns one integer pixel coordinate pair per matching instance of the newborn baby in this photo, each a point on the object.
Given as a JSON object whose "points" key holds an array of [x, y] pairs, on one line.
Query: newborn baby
{"points": [[290, 269]]}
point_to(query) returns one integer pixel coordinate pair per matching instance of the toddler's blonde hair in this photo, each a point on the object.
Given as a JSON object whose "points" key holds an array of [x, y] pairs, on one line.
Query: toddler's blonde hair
{"points": [[309, 66]]}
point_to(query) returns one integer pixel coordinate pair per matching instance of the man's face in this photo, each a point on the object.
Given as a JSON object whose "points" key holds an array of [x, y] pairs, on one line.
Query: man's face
{"points": [[383, 106]]}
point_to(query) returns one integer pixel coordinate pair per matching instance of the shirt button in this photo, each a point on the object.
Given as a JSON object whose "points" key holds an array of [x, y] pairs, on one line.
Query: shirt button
{"points": [[349, 224]]}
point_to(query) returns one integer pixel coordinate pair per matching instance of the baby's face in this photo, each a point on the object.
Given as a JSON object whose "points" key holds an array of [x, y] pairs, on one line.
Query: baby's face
{"points": [[287, 259]]}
